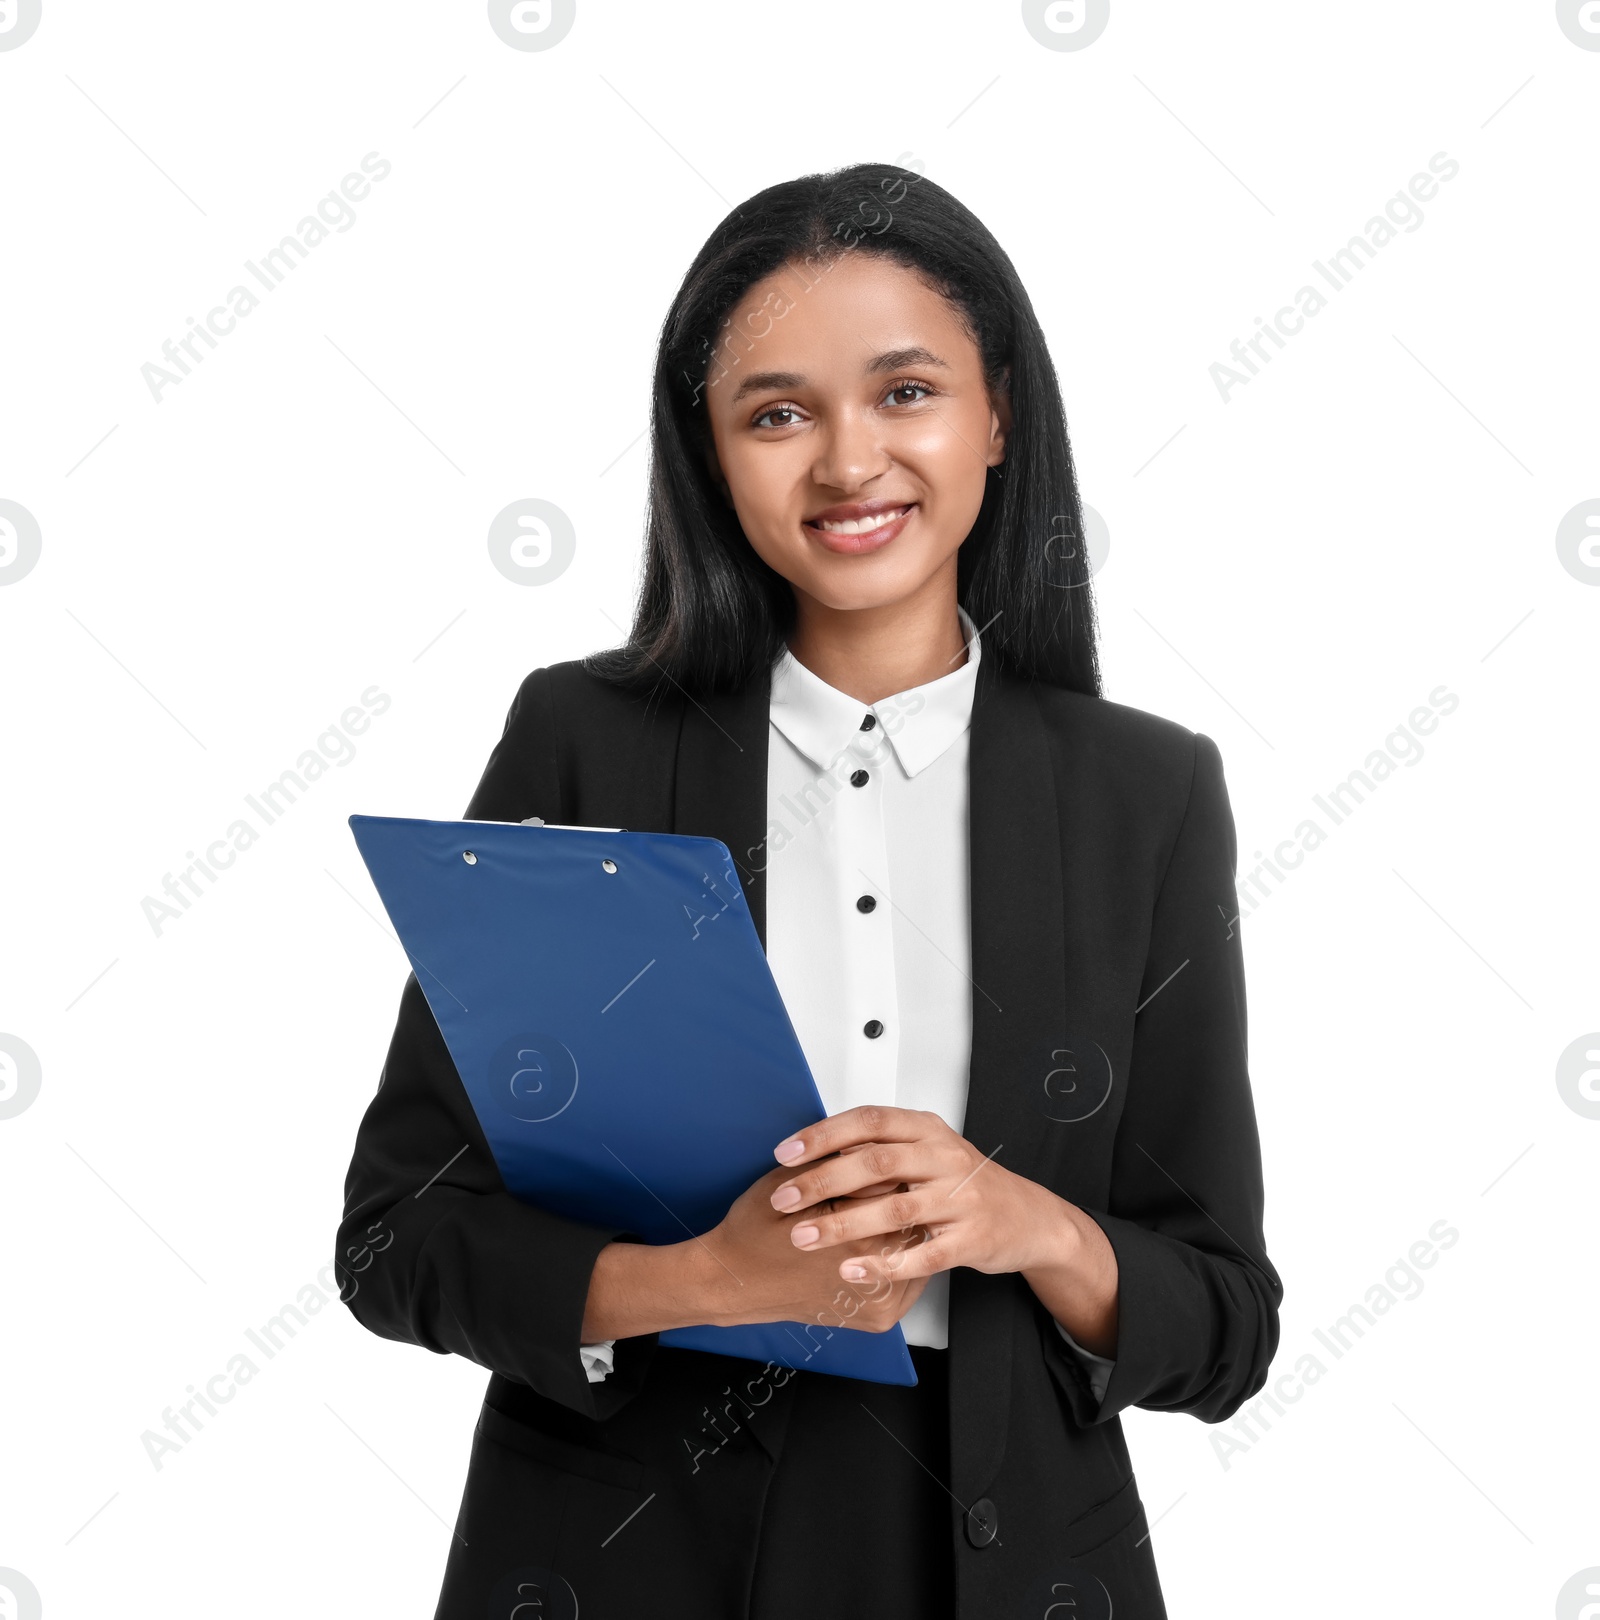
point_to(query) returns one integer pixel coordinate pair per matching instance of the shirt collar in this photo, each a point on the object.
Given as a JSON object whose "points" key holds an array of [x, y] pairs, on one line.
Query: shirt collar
{"points": [[920, 723]]}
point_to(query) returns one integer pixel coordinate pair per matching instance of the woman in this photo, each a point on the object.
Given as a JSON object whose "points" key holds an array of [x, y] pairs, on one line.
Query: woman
{"points": [[1001, 912]]}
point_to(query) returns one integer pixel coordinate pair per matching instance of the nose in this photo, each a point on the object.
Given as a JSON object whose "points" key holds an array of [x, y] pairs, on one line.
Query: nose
{"points": [[850, 453]]}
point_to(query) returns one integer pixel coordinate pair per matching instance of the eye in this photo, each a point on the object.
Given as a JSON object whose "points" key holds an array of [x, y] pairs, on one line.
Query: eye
{"points": [[788, 411], [908, 385]]}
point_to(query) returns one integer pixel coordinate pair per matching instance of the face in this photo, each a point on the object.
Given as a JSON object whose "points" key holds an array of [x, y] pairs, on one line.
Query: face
{"points": [[853, 437]]}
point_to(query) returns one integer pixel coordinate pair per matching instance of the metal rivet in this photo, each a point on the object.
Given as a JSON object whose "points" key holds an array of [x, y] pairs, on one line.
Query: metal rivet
{"points": [[608, 865], [469, 858]]}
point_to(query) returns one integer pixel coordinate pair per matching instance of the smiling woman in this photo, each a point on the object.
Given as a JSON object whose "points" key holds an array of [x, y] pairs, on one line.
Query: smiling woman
{"points": [[912, 425], [1000, 912], [865, 314]]}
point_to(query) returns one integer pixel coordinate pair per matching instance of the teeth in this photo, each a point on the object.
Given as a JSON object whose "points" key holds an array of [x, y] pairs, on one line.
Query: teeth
{"points": [[859, 525]]}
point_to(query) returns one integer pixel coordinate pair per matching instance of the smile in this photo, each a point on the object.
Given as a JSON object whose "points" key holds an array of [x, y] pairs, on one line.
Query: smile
{"points": [[859, 525], [866, 532]]}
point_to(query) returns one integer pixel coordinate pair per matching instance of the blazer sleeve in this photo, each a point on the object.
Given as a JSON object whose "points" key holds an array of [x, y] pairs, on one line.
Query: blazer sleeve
{"points": [[1197, 1321], [432, 1249]]}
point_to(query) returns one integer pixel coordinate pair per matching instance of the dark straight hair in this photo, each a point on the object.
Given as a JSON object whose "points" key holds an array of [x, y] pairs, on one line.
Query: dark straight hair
{"points": [[711, 614]]}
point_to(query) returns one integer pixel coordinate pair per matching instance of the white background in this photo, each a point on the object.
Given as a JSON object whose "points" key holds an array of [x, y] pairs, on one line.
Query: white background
{"points": [[1291, 572]]}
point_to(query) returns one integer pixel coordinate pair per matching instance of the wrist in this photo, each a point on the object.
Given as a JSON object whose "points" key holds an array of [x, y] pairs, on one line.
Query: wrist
{"points": [[703, 1283], [1055, 1241], [1076, 1278], [640, 1288]]}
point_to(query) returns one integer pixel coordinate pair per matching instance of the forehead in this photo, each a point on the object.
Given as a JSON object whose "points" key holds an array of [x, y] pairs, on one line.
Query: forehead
{"points": [[838, 316]]}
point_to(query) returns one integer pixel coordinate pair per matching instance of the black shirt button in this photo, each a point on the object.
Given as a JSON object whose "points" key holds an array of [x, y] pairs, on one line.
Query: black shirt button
{"points": [[983, 1522], [858, 779], [866, 903], [869, 722], [872, 1029]]}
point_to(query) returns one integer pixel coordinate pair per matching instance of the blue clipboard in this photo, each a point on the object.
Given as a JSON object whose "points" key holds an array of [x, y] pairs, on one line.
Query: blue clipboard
{"points": [[611, 1013]]}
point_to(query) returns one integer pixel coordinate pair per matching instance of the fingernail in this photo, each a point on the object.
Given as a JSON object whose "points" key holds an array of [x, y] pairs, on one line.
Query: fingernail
{"points": [[854, 1273], [788, 1152], [786, 1197], [802, 1235]]}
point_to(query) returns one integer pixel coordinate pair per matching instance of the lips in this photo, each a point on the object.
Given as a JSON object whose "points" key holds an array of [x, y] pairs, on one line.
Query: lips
{"points": [[859, 526]]}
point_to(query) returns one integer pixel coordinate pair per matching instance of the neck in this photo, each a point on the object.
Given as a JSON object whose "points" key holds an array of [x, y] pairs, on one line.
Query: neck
{"points": [[871, 653]]}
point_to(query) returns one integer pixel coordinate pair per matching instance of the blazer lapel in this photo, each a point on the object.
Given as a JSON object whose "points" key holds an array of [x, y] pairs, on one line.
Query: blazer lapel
{"points": [[1018, 1011], [720, 790], [1019, 978]]}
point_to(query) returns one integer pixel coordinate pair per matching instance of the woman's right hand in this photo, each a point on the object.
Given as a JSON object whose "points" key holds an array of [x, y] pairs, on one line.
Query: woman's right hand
{"points": [[750, 1270]]}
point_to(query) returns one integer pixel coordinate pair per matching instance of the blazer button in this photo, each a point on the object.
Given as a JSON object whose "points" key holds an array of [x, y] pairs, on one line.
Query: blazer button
{"points": [[983, 1522], [858, 779], [872, 1029], [867, 902]]}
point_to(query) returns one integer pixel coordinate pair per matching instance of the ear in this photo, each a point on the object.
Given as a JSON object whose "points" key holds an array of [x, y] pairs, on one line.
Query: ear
{"points": [[999, 419]]}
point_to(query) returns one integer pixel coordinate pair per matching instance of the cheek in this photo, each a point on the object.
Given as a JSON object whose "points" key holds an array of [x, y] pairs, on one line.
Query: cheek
{"points": [[949, 469], [762, 480], [766, 491]]}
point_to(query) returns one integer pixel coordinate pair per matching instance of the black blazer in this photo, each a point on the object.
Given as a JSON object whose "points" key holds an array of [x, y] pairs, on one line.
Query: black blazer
{"points": [[1106, 964]]}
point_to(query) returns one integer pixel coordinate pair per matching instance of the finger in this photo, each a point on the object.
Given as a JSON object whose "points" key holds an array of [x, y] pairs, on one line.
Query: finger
{"points": [[877, 1186], [872, 1123], [881, 1166], [897, 1265], [856, 1219]]}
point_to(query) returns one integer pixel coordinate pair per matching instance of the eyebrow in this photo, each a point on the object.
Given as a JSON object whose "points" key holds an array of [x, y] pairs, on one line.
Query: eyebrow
{"points": [[759, 382]]}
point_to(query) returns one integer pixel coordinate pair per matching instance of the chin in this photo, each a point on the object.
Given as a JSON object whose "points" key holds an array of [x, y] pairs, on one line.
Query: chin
{"points": [[858, 595]]}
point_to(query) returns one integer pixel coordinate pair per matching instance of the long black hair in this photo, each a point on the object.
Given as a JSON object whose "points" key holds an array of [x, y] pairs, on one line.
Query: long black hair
{"points": [[711, 613]]}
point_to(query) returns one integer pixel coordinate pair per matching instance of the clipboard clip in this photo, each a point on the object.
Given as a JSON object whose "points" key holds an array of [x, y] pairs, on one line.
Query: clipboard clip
{"points": [[565, 826]]}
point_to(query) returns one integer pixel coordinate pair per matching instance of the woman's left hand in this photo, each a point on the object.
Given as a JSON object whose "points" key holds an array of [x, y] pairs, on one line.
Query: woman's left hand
{"points": [[903, 1172], [974, 1211]]}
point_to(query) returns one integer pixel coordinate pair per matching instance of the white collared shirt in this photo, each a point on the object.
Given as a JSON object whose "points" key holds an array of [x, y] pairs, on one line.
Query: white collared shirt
{"points": [[868, 930]]}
